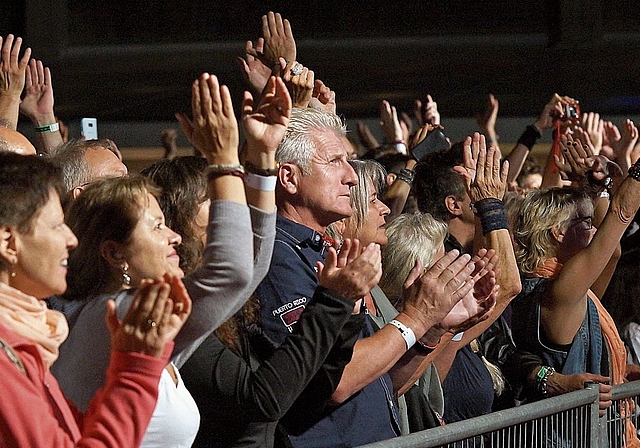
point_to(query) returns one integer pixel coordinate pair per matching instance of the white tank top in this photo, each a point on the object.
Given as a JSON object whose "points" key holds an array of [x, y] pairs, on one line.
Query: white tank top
{"points": [[175, 419]]}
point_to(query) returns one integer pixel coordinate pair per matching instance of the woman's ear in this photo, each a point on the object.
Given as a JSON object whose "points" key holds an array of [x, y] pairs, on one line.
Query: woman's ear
{"points": [[8, 249], [558, 234], [111, 251]]}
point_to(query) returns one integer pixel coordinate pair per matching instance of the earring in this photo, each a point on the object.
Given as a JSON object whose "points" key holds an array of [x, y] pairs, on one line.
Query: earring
{"points": [[126, 278], [12, 272]]}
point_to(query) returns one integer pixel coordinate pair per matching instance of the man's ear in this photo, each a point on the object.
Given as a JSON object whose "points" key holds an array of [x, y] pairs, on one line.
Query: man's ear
{"points": [[8, 246], [391, 177], [289, 177], [75, 192], [112, 252], [453, 205]]}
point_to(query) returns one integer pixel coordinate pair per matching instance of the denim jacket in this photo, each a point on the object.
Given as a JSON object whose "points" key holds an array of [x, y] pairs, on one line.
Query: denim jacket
{"points": [[585, 353]]}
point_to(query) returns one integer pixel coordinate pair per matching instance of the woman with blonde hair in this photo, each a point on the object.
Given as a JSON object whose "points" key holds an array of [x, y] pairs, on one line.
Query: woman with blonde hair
{"points": [[566, 264]]}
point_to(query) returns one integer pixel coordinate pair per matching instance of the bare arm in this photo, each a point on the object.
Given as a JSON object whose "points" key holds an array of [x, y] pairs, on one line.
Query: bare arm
{"points": [[37, 104], [430, 298], [522, 149], [581, 271], [486, 180]]}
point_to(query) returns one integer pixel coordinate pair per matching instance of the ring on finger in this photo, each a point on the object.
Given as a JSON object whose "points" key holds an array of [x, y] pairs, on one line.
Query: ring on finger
{"points": [[296, 69], [151, 323]]}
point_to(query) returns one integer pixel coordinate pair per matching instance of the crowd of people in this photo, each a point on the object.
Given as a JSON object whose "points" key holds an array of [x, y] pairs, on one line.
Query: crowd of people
{"points": [[303, 288]]}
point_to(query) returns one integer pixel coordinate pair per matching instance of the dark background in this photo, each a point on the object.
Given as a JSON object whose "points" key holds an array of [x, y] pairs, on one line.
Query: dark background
{"points": [[134, 61]]}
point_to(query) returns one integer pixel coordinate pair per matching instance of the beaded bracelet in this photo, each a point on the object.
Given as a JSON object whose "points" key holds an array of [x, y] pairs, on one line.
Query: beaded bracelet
{"points": [[214, 171], [634, 170], [542, 378], [491, 213]]}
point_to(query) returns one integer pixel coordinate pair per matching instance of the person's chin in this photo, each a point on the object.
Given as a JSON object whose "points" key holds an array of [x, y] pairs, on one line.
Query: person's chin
{"points": [[178, 272]]}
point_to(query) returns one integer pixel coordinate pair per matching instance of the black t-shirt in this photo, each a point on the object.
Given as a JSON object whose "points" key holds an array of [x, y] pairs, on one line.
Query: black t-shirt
{"points": [[468, 388]]}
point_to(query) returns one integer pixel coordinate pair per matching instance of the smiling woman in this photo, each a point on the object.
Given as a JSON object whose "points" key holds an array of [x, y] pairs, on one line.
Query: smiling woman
{"points": [[34, 249], [123, 239]]}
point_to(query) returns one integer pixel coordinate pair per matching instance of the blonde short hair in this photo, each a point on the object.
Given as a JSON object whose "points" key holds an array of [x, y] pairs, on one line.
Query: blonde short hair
{"points": [[411, 237], [542, 212]]}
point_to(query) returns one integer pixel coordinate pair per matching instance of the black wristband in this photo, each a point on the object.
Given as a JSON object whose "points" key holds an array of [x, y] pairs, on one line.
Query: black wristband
{"points": [[406, 175], [529, 137], [491, 213]]}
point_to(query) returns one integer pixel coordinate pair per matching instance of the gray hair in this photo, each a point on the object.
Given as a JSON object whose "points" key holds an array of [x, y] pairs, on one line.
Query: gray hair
{"points": [[411, 237], [70, 158], [299, 143], [360, 193]]}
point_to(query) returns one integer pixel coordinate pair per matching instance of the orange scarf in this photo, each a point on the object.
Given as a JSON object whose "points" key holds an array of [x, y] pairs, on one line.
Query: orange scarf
{"points": [[30, 318], [550, 269]]}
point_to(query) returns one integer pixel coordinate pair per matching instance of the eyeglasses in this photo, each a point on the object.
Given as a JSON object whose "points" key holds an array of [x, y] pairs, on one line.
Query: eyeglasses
{"points": [[587, 220]]}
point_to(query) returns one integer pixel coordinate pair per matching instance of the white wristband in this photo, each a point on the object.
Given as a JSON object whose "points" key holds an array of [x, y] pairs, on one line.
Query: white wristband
{"points": [[262, 183], [406, 332], [458, 336]]}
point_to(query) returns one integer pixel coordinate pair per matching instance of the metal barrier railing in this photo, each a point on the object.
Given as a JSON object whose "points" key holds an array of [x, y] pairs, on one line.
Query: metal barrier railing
{"points": [[566, 421]]}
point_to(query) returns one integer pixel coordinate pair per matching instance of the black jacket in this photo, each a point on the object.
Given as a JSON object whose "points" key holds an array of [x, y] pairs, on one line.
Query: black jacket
{"points": [[241, 396]]}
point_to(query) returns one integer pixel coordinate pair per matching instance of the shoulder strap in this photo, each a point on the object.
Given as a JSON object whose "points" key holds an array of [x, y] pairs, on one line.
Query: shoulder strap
{"points": [[12, 355]]}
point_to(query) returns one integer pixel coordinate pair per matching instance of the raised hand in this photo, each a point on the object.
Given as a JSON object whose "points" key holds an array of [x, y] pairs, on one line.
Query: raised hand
{"points": [[429, 297], [484, 176], [623, 147], [265, 124], [366, 136], [474, 307], [299, 80], [12, 69], [580, 164], [278, 40], [427, 113], [351, 273], [552, 110], [214, 129], [487, 120], [323, 98], [407, 126], [37, 103], [594, 127], [154, 318], [389, 123], [254, 71], [12, 79]]}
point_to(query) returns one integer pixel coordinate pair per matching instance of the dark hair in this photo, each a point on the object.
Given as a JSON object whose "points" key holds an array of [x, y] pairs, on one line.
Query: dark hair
{"points": [[108, 210], [26, 183], [393, 162], [621, 296], [184, 187], [435, 180]]}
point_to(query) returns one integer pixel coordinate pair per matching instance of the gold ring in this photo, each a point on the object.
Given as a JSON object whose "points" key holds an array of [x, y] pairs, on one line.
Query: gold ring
{"points": [[152, 323]]}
